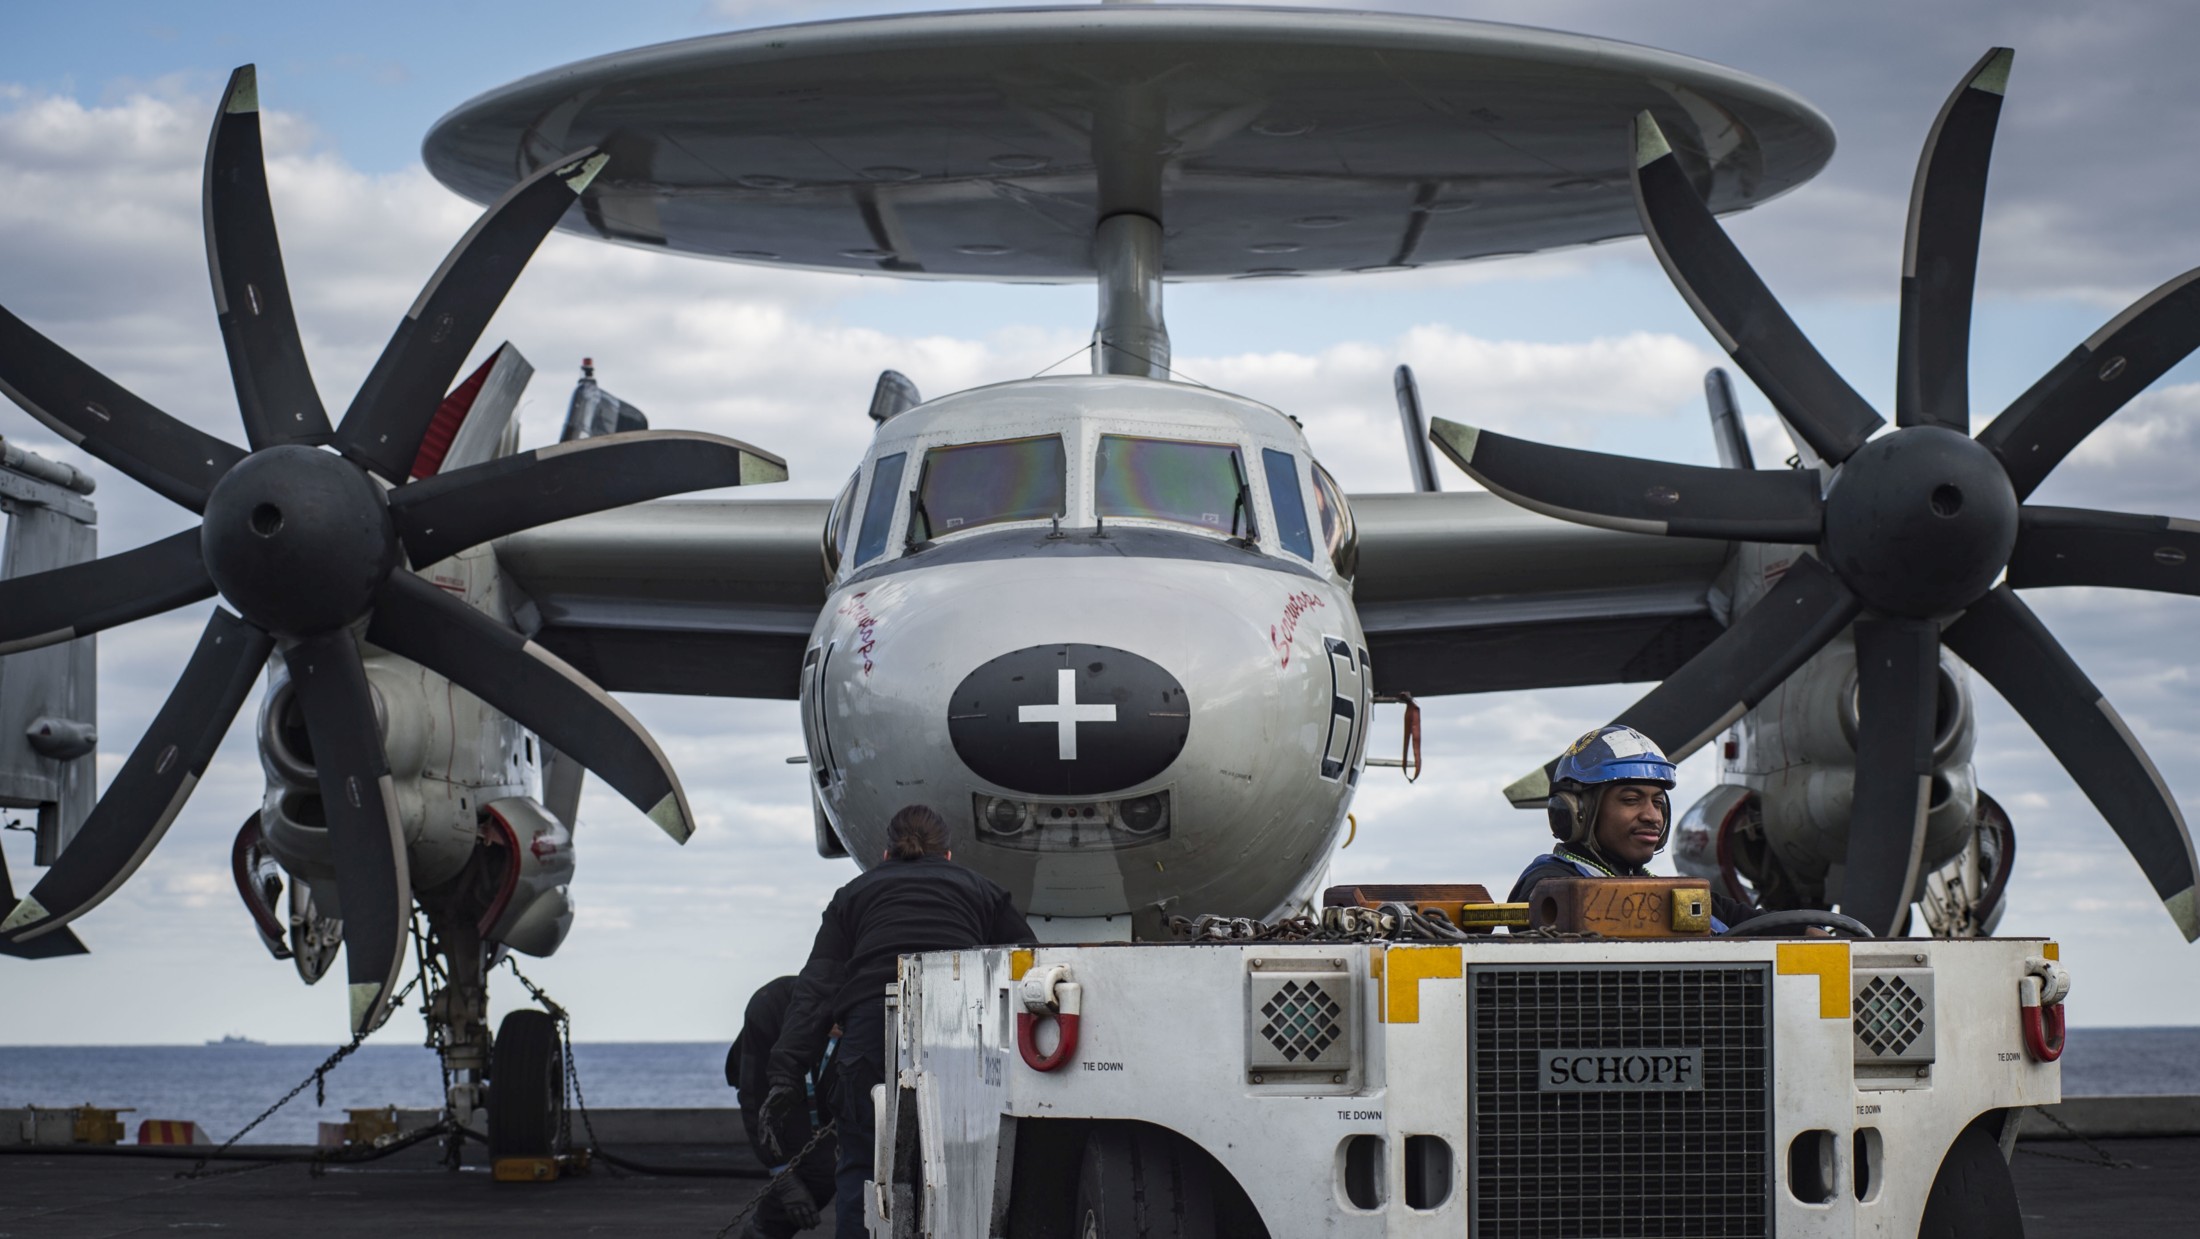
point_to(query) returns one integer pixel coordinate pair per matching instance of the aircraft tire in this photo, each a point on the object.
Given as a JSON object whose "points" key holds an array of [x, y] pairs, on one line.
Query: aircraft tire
{"points": [[526, 1087], [1974, 1196], [1142, 1182]]}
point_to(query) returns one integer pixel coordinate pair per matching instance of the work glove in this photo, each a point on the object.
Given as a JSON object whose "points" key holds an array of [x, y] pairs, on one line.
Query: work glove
{"points": [[780, 1104], [794, 1201]]}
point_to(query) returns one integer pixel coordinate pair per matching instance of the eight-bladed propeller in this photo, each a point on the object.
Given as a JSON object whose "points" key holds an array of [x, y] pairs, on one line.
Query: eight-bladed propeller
{"points": [[306, 543], [1912, 529]]}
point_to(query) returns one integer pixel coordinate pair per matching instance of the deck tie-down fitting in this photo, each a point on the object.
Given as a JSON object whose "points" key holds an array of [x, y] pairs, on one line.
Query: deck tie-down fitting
{"points": [[1048, 993], [2040, 1006]]}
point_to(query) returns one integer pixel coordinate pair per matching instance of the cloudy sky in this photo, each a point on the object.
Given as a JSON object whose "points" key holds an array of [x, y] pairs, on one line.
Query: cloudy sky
{"points": [[104, 109]]}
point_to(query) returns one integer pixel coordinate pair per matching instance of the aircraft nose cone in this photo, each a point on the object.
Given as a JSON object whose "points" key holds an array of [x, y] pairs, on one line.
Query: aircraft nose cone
{"points": [[1068, 720]]}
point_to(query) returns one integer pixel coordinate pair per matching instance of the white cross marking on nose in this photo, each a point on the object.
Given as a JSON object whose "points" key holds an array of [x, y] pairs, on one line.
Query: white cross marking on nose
{"points": [[1065, 714]]}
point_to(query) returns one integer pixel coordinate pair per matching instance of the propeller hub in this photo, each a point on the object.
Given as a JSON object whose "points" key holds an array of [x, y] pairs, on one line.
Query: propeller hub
{"points": [[298, 540], [1920, 522]]}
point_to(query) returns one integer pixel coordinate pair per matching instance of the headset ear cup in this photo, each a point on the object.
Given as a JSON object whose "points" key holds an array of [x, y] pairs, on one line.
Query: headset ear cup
{"points": [[1564, 809]]}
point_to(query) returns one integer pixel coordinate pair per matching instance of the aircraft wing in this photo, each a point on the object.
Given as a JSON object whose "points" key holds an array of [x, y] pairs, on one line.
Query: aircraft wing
{"points": [[711, 597], [1459, 593], [1467, 593]]}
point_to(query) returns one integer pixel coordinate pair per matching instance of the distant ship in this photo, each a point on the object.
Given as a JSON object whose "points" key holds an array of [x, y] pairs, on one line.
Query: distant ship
{"points": [[234, 1039]]}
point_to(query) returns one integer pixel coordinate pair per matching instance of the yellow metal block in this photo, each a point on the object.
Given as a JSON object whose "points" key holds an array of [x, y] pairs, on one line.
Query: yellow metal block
{"points": [[1405, 969], [1487, 916], [524, 1169], [1692, 910], [1829, 962], [1019, 963], [1621, 907], [2052, 951], [370, 1125], [89, 1124]]}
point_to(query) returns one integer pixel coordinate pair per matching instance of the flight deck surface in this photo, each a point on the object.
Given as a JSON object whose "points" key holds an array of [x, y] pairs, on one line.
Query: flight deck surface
{"points": [[2065, 1192]]}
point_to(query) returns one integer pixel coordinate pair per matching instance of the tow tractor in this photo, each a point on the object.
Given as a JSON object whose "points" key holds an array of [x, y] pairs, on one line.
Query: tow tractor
{"points": [[1398, 1067]]}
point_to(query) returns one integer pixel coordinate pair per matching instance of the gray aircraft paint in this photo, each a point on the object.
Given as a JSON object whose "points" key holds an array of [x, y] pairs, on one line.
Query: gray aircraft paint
{"points": [[1252, 817]]}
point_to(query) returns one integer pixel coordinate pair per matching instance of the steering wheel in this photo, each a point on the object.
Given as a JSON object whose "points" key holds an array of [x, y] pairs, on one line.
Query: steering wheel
{"points": [[1772, 924]]}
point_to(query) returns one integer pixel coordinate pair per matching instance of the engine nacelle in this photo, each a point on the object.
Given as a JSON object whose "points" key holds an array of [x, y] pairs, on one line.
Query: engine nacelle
{"points": [[452, 757], [1780, 817]]}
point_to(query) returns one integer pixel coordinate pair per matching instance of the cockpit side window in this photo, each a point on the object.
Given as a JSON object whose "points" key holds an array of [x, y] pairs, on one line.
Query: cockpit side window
{"points": [[973, 484], [1338, 531], [1197, 484], [878, 511], [836, 524], [1290, 505]]}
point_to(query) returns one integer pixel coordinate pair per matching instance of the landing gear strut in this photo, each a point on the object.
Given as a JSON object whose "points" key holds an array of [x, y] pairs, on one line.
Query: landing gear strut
{"points": [[457, 1015]]}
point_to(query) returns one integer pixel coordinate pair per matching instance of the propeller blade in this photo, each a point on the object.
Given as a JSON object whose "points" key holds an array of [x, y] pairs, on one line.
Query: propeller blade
{"points": [[1940, 252], [1793, 621], [1817, 403], [2005, 642], [267, 361], [387, 419], [49, 946], [81, 599], [373, 881], [439, 516], [104, 418], [2079, 546], [153, 784], [1418, 459], [1805, 609], [1727, 434], [1639, 496], [416, 620], [1898, 688], [2100, 376]]}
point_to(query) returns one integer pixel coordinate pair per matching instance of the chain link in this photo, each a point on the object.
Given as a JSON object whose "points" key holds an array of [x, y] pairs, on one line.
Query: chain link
{"points": [[1390, 923], [2101, 1156], [315, 1078], [572, 1069], [757, 1201]]}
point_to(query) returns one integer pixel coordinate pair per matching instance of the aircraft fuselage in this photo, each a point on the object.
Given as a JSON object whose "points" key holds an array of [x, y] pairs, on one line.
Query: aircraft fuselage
{"points": [[1097, 624]]}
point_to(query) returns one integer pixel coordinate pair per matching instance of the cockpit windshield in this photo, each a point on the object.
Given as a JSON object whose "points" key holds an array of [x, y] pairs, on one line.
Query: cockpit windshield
{"points": [[969, 485], [1199, 484]]}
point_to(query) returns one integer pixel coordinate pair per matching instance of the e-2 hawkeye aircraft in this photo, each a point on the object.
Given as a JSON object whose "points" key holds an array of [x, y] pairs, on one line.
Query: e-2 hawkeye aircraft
{"points": [[1122, 631]]}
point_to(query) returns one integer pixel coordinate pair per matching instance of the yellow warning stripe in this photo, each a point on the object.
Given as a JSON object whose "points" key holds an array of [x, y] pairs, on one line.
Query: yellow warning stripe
{"points": [[1829, 962], [1406, 968]]}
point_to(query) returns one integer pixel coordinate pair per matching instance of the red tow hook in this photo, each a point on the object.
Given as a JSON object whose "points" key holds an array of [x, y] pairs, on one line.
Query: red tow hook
{"points": [[2040, 1008], [1048, 993]]}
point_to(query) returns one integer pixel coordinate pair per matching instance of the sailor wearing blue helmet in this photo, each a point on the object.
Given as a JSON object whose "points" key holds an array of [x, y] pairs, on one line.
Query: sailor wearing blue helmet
{"points": [[1611, 811]]}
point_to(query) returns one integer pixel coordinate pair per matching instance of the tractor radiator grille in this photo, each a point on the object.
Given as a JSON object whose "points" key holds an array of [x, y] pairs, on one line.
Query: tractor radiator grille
{"points": [[1614, 1161], [1889, 1016]]}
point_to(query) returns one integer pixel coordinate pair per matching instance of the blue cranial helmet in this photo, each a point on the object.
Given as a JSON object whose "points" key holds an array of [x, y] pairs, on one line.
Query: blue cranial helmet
{"points": [[1614, 753]]}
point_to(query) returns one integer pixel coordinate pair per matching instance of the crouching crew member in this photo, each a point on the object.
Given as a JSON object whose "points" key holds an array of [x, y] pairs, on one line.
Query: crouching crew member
{"points": [[919, 900], [1611, 811], [791, 1204]]}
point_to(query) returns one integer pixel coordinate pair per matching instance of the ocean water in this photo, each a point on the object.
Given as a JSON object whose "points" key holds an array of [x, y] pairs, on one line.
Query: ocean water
{"points": [[223, 1087]]}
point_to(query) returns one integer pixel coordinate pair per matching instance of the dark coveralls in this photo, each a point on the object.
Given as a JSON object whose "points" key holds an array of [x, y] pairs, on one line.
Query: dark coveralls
{"points": [[1564, 862], [747, 1070], [898, 908]]}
